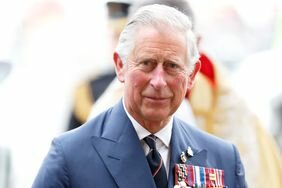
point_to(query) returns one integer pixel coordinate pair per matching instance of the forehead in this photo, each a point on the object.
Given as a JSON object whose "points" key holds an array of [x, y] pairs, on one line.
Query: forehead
{"points": [[166, 41]]}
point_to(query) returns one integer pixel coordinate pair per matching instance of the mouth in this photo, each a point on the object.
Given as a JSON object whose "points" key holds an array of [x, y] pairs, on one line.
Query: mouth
{"points": [[159, 100], [156, 98]]}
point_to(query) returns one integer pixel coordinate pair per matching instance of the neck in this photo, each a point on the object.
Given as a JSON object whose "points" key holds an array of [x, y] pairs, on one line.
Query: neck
{"points": [[150, 124], [153, 126]]}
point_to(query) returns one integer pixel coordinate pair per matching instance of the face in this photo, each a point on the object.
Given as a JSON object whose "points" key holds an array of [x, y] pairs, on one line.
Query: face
{"points": [[156, 76]]}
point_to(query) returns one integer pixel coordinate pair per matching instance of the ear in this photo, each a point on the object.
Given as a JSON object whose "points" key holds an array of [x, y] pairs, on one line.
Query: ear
{"points": [[119, 67], [192, 75]]}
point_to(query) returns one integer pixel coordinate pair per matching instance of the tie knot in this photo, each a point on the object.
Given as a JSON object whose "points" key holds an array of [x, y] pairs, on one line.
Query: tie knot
{"points": [[151, 141]]}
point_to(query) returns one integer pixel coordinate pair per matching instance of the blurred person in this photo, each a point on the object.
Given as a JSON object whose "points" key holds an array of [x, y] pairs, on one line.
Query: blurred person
{"points": [[5, 154], [218, 110], [264, 98], [276, 119], [34, 97], [5, 68], [88, 91], [259, 80], [5, 167], [157, 60]]}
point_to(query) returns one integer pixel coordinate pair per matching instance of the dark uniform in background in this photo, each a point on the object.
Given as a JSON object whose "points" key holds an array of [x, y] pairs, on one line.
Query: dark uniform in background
{"points": [[85, 96], [88, 92]]}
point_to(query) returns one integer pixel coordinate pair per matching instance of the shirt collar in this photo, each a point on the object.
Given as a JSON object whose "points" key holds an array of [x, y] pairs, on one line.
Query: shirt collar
{"points": [[164, 134]]}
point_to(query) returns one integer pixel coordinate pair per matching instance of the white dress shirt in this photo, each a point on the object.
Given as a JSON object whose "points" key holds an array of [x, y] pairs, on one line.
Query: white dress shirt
{"points": [[162, 142]]}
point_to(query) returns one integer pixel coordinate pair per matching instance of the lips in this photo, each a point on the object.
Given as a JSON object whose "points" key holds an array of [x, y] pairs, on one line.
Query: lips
{"points": [[161, 97], [157, 100]]}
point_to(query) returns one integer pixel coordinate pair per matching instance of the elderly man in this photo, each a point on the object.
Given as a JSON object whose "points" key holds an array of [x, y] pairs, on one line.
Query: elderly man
{"points": [[138, 142], [219, 110]]}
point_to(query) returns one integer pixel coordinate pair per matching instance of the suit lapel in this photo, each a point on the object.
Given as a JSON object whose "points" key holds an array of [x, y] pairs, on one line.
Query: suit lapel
{"points": [[181, 139], [120, 149]]}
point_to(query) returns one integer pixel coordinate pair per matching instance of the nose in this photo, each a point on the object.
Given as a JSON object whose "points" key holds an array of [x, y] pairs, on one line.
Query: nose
{"points": [[158, 77]]}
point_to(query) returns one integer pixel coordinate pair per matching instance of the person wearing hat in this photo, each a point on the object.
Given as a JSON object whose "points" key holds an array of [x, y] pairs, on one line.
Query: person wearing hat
{"points": [[88, 91]]}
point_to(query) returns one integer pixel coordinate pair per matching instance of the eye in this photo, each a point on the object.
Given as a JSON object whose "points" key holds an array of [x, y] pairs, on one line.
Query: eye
{"points": [[172, 67], [147, 65]]}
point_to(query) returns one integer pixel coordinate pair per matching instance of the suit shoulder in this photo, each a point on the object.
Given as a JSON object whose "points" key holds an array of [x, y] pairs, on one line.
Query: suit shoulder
{"points": [[203, 138], [91, 128]]}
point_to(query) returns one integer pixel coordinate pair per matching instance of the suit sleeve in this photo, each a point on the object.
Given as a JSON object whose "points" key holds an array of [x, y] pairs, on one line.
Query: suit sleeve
{"points": [[53, 172], [239, 171]]}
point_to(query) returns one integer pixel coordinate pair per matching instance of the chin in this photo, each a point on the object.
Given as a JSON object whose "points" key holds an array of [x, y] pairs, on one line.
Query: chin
{"points": [[153, 116]]}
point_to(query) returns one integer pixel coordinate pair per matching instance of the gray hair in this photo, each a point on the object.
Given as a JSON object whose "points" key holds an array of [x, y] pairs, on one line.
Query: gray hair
{"points": [[157, 15], [181, 5]]}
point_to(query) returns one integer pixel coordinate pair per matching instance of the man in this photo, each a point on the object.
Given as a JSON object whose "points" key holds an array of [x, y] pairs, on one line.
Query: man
{"points": [[219, 111], [139, 142]]}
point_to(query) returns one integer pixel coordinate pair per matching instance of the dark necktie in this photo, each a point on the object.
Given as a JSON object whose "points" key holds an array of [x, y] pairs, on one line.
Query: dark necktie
{"points": [[156, 163]]}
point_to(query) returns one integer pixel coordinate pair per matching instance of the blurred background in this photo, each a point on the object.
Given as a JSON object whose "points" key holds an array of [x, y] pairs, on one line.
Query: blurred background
{"points": [[48, 46]]}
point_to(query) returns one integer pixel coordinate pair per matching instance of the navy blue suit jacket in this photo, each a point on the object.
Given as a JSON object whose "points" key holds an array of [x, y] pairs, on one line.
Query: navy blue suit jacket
{"points": [[106, 152]]}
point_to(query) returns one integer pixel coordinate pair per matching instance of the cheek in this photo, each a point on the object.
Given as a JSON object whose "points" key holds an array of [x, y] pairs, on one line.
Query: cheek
{"points": [[137, 80], [179, 87], [180, 83]]}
